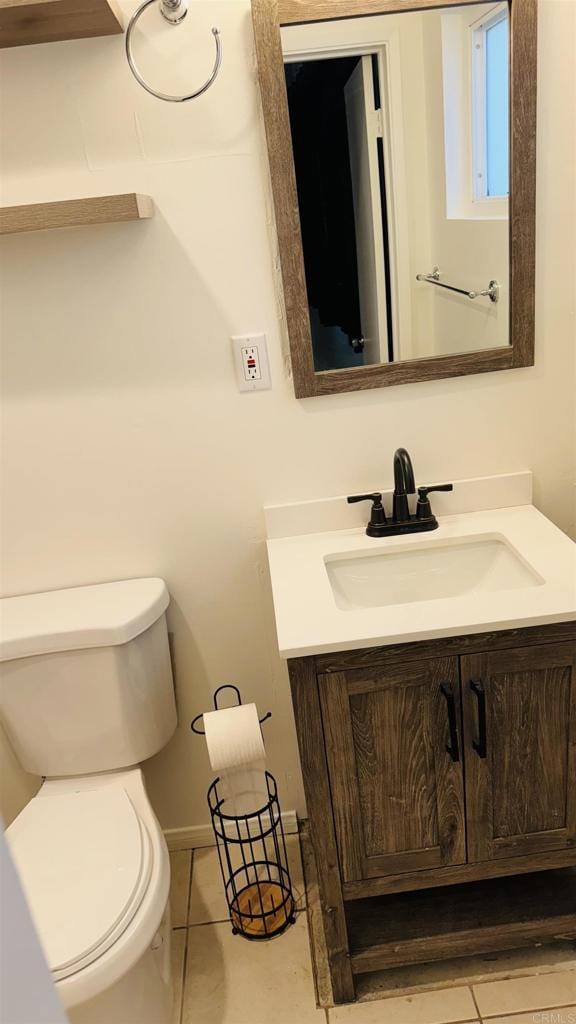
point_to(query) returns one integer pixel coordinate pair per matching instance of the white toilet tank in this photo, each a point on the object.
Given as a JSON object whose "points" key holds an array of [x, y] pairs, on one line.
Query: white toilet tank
{"points": [[86, 679]]}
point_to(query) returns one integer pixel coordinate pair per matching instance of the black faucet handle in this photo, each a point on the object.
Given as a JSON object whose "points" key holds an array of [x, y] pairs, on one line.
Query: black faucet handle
{"points": [[377, 515], [376, 498], [423, 492], [423, 509]]}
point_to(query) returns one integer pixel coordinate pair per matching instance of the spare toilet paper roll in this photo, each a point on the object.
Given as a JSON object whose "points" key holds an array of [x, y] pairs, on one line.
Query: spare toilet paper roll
{"points": [[236, 752]]}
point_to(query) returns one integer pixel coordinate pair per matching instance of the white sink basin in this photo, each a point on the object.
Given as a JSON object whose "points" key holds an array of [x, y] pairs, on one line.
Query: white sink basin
{"points": [[427, 572], [339, 590]]}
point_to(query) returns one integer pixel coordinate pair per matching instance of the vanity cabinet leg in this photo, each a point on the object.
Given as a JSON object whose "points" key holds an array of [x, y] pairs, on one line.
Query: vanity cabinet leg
{"points": [[306, 701]]}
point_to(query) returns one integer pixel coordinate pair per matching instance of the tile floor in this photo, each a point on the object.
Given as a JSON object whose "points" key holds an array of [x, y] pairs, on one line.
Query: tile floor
{"points": [[221, 978]]}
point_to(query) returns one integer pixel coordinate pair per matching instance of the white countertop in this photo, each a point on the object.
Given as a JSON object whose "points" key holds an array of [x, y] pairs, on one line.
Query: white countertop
{"points": [[308, 620]]}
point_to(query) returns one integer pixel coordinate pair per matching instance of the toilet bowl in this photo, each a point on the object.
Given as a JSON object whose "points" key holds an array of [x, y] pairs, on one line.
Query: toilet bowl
{"points": [[86, 694], [94, 866]]}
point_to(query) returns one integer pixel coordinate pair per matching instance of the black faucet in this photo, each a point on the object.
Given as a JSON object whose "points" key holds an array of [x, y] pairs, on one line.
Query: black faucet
{"points": [[402, 521], [403, 485]]}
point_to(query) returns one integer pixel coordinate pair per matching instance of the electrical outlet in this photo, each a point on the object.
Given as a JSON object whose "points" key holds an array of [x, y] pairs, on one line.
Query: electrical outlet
{"points": [[251, 361]]}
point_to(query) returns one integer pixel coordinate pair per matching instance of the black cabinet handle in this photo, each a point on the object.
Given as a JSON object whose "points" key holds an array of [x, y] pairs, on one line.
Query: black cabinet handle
{"points": [[452, 747], [479, 692]]}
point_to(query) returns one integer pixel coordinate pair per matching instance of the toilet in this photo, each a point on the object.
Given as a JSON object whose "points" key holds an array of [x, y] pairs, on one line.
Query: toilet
{"points": [[86, 695]]}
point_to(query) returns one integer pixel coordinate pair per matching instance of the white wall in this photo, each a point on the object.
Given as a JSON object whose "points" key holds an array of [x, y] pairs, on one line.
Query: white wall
{"points": [[128, 450]]}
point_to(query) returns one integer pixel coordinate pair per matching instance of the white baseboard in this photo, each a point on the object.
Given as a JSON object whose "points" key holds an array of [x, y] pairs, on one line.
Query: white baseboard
{"points": [[195, 836]]}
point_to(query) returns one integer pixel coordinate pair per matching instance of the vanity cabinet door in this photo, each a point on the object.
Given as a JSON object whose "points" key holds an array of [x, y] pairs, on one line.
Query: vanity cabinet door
{"points": [[520, 740], [394, 758]]}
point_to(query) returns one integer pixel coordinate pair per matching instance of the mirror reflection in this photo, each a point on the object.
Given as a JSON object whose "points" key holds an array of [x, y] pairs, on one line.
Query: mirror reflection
{"points": [[400, 135]]}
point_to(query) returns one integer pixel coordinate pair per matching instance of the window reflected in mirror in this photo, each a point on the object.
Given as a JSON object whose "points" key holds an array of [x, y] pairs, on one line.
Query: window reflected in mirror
{"points": [[400, 136]]}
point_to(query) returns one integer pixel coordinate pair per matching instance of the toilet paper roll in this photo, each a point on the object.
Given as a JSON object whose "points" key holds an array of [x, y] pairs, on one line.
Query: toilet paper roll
{"points": [[236, 752], [233, 737]]}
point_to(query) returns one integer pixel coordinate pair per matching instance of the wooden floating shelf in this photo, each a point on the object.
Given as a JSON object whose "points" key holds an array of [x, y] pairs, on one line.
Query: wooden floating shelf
{"points": [[75, 213], [503, 913], [50, 21]]}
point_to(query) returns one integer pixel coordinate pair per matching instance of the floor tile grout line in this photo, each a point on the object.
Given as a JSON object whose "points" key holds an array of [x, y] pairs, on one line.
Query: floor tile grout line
{"points": [[185, 957], [466, 1020], [475, 1001], [189, 887], [204, 924], [184, 975], [373, 1002], [519, 1013]]}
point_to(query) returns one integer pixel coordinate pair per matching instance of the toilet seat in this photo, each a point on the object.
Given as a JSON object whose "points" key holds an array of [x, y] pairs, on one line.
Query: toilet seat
{"points": [[85, 861]]}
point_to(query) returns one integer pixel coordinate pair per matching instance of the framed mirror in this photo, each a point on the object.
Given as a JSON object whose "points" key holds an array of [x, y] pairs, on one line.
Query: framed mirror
{"points": [[401, 140]]}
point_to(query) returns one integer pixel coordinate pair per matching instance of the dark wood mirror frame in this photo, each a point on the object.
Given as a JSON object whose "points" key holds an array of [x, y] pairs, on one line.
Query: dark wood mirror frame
{"points": [[268, 17]]}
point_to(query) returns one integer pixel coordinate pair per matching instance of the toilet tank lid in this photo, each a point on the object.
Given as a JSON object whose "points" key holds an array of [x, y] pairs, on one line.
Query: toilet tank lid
{"points": [[103, 615]]}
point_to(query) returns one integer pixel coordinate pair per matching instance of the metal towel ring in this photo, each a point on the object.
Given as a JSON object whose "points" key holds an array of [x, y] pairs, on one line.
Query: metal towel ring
{"points": [[173, 11]]}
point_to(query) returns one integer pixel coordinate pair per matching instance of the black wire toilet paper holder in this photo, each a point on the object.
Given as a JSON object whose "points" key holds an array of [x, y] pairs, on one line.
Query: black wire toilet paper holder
{"points": [[252, 856]]}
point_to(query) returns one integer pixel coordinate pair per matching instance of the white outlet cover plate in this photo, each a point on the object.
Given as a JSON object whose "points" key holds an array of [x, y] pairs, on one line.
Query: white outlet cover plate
{"points": [[251, 362]]}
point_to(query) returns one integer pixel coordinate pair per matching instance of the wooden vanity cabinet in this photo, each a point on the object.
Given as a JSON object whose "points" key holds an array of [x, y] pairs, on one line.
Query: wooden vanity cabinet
{"points": [[520, 788], [444, 765], [397, 791]]}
